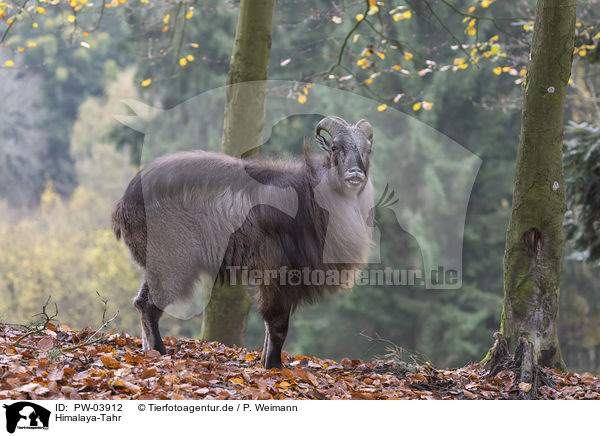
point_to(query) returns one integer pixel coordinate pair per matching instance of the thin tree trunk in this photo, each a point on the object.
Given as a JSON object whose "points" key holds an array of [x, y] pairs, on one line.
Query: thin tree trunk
{"points": [[226, 315], [534, 241]]}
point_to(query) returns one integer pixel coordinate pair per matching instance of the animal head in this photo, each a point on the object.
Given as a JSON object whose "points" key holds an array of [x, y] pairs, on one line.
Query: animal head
{"points": [[348, 152]]}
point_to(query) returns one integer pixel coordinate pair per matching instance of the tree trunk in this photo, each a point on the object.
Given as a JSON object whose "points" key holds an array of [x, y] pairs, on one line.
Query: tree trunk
{"points": [[534, 241], [226, 315]]}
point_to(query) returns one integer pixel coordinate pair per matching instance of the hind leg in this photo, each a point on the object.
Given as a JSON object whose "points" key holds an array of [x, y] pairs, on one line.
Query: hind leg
{"points": [[149, 316], [276, 321]]}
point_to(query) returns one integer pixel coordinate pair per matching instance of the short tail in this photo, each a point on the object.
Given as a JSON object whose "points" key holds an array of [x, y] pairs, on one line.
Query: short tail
{"points": [[117, 218]]}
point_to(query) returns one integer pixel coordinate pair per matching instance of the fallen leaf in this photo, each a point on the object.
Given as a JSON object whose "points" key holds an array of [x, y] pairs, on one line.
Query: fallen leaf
{"points": [[525, 387], [46, 343], [110, 362]]}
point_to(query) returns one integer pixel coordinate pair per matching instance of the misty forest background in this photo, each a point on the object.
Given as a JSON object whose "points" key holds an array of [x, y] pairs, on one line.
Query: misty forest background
{"points": [[64, 159]]}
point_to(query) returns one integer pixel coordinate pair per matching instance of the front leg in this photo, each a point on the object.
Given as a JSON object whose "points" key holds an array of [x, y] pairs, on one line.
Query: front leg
{"points": [[263, 357], [277, 322]]}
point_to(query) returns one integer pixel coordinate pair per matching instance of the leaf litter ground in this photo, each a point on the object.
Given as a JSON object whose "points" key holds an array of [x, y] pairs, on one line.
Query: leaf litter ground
{"points": [[117, 368]]}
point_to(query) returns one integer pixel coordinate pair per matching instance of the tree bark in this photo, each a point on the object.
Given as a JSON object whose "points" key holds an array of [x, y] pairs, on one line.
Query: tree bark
{"points": [[534, 241], [225, 316]]}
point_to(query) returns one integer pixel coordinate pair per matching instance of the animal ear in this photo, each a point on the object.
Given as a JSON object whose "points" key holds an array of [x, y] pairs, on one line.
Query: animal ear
{"points": [[365, 127]]}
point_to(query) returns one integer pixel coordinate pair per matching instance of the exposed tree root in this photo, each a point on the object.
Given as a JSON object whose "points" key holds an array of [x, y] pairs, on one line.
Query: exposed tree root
{"points": [[528, 374]]}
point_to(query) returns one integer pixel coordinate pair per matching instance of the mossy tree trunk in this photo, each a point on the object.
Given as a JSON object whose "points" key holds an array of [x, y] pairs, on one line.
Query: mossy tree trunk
{"points": [[225, 317], [534, 241]]}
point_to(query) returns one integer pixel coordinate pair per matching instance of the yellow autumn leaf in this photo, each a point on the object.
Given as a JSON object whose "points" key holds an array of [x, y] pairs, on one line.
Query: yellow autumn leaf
{"points": [[284, 385], [497, 71], [416, 107], [427, 105], [9, 63], [471, 31], [485, 3], [164, 29], [189, 14], [397, 67], [193, 44], [381, 107], [381, 55], [305, 91], [40, 10], [71, 18], [301, 99], [408, 56], [359, 17], [505, 69], [361, 62], [183, 62], [402, 15], [373, 10], [146, 82], [368, 81], [34, 25], [250, 357], [471, 9], [582, 52], [166, 19], [522, 72], [237, 380], [570, 80], [190, 58]]}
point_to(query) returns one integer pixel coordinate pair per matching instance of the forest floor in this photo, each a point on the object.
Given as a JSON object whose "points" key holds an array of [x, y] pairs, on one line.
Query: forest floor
{"points": [[59, 363]]}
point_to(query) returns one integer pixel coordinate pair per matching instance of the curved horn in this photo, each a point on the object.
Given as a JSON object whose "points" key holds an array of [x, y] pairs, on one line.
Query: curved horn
{"points": [[365, 127], [331, 125]]}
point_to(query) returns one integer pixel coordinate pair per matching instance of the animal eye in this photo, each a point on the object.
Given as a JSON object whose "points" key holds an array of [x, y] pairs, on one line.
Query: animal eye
{"points": [[334, 148]]}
